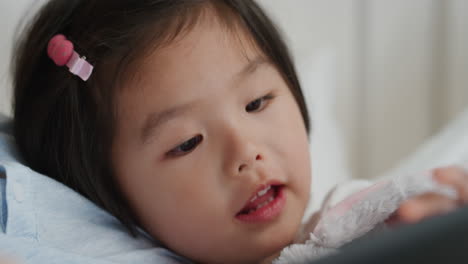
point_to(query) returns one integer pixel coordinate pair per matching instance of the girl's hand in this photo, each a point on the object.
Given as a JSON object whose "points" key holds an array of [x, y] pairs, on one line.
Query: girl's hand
{"points": [[431, 204]]}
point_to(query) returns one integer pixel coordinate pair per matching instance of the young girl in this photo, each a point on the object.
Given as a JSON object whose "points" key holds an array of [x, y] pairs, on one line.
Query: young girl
{"points": [[183, 118]]}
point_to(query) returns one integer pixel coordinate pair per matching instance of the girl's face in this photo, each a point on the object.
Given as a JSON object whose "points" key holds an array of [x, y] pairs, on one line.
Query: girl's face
{"points": [[209, 124]]}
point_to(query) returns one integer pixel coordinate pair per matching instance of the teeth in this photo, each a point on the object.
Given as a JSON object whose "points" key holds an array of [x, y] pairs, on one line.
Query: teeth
{"points": [[262, 192]]}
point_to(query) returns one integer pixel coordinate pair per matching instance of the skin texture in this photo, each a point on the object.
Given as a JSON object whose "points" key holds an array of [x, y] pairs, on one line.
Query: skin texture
{"points": [[188, 200]]}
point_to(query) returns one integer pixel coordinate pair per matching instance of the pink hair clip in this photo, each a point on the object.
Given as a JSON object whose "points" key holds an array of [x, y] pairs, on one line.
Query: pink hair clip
{"points": [[62, 52]]}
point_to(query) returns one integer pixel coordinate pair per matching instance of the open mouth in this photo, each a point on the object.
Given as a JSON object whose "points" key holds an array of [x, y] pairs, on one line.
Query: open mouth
{"points": [[264, 205]]}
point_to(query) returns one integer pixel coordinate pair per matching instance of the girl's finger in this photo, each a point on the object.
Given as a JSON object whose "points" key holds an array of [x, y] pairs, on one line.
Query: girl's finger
{"points": [[455, 177], [423, 206]]}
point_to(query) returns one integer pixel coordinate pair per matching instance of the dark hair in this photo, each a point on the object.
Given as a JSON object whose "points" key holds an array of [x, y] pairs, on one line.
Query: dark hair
{"points": [[63, 126]]}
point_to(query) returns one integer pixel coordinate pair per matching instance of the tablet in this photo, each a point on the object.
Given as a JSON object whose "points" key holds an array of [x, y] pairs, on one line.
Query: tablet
{"points": [[440, 239]]}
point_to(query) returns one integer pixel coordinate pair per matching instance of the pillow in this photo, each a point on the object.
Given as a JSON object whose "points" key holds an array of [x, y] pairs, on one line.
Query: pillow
{"points": [[44, 221], [447, 147]]}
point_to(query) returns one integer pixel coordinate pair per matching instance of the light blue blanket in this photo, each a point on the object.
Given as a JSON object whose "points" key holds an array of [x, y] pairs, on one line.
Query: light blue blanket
{"points": [[43, 221]]}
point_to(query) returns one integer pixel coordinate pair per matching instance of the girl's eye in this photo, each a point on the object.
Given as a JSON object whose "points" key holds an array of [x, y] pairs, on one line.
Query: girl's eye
{"points": [[258, 104], [185, 147]]}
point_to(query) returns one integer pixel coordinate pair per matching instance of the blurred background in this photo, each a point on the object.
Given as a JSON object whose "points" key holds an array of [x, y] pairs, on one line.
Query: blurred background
{"points": [[381, 76], [398, 70]]}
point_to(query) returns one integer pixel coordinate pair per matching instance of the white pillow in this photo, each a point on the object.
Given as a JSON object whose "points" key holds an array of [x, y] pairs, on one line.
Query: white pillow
{"points": [[448, 147]]}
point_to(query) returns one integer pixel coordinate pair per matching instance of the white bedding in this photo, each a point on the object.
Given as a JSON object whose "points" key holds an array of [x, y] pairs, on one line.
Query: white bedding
{"points": [[447, 147]]}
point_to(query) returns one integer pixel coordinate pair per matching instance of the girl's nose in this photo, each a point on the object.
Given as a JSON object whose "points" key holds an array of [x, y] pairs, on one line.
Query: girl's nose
{"points": [[243, 152], [245, 165]]}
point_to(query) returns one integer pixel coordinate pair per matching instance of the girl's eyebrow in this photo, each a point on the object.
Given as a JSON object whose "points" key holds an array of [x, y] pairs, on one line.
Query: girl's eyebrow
{"points": [[251, 67], [157, 119]]}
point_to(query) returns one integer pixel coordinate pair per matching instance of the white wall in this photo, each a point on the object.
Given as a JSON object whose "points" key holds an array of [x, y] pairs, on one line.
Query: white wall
{"points": [[416, 75], [454, 62], [11, 12]]}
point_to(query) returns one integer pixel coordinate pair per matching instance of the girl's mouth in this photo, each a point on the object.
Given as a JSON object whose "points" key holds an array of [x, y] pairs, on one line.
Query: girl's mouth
{"points": [[265, 205]]}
